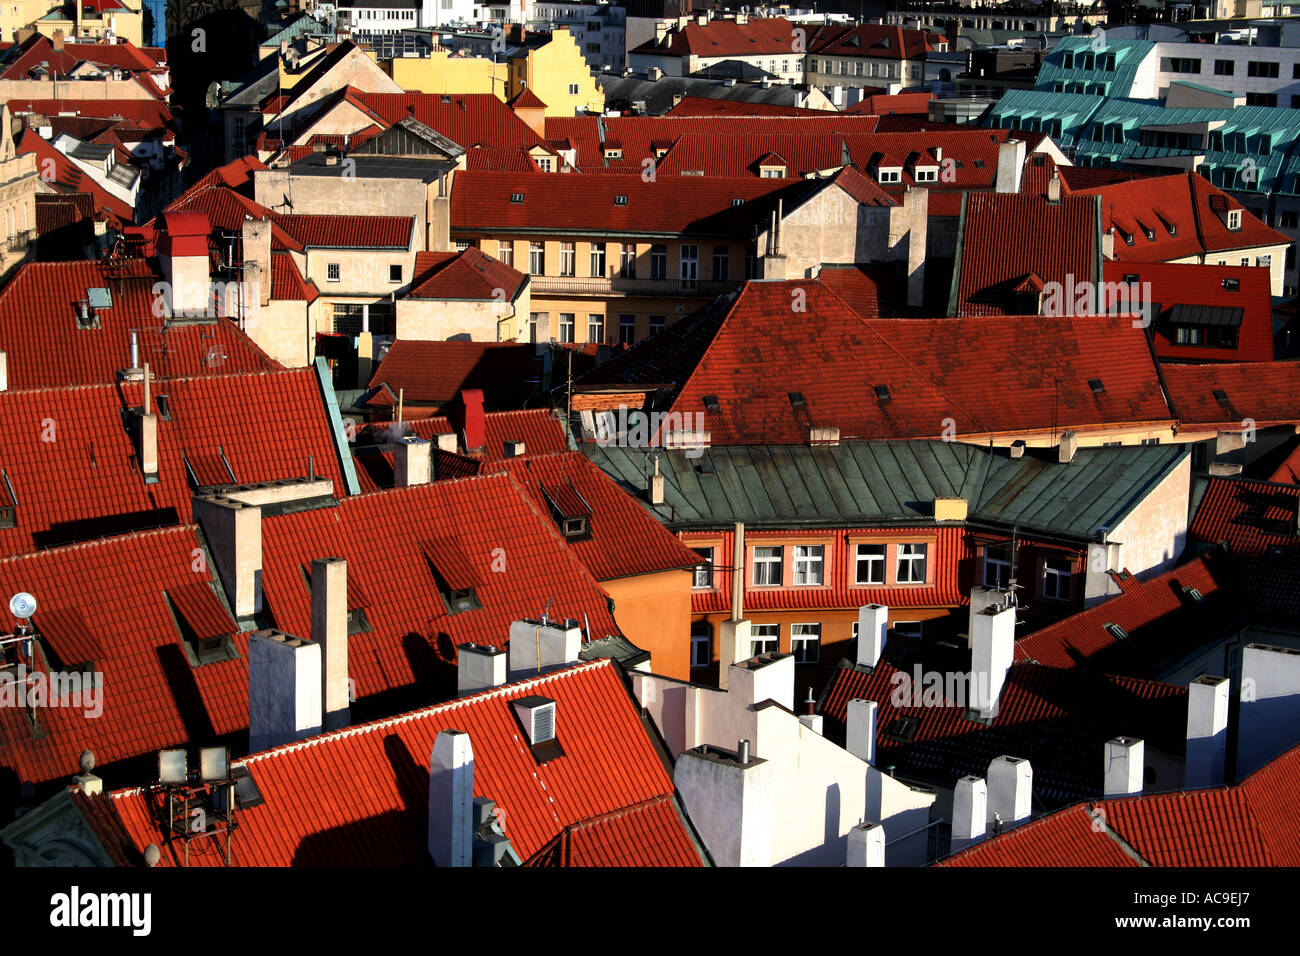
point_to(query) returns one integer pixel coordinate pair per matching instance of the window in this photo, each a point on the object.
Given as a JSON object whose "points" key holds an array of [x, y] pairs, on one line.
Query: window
{"points": [[907, 629], [544, 163], [1056, 579], [394, 273], [927, 175], [911, 563], [809, 564], [1234, 220], [573, 89], [566, 326], [806, 643], [871, 564], [1224, 67], [658, 262], [597, 260], [1261, 99], [656, 324], [537, 322], [568, 259], [536, 259], [1179, 64], [721, 263], [764, 639], [690, 272], [506, 252], [462, 245], [332, 272], [1151, 441], [1265, 68], [627, 261], [626, 329], [704, 571], [997, 567], [595, 327], [701, 644], [889, 175], [767, 566]]}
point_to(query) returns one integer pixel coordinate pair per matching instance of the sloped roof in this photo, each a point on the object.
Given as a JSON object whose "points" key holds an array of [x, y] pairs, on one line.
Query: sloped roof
{"points": [[526, 100], [469, 274], [609, 778], [1068, 837], [467, 119], [1251, 516], [70, 178], [437, 372], [771, 35], [1266, 393], [874, 40]]}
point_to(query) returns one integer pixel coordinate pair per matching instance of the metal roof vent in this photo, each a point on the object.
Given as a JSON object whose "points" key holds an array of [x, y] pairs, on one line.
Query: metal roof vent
{"points": [[537, 714]]}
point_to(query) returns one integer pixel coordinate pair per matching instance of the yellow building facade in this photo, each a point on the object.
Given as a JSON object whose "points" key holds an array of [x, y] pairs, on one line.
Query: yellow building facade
{"points": [[558, 74]]}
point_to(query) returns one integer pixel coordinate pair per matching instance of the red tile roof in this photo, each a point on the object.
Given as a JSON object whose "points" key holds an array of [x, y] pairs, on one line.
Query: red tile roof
{"points": [[609, 787], [625, 540], [1189, 284], [1008, 236], [771, 35], [837, 359], [1288, 473], [287, 282], [38, 51], [1160, 620], [67, 177], [72, 463], [464, 275], [1251, 824], [236, 174], [354, 232], [526, 100], [884, 104], [861, 288], [1251, 516], [708, 106], [875, 40], [118, 587], [481, 202], [467, 119], [1267, 393], [1058, 719], [143, 114], [60, 211], [436, 372]]}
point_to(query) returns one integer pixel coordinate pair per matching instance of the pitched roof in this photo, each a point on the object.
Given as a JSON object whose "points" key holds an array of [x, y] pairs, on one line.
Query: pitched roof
{"points": [[1058, 719], [874, 40], [1160, 620], [1007, 236], [1250, 824], [608, 795], [143, 113], [1188, 292], [68, 177], [348, 232], [1227, 395], [436, 372], [1251, 516], [902, 378], [71, 459], [770, 35], [526, 100], [1288, 472], [469, 274], [467, 119], [39, 329]]}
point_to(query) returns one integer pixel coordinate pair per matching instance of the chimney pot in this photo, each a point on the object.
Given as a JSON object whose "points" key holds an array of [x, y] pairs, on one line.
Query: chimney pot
{"points": [[411, 462], [742, 752], [1069, 445]]}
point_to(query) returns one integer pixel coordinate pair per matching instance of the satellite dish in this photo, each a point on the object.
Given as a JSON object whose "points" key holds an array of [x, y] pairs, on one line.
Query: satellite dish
{"points": [[22, 605]]}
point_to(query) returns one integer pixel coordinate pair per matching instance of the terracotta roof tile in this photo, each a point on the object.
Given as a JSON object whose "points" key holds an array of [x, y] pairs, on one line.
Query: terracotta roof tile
{"points": [[1225, 395], [437, 372], [1068, 837], [463, 275]]}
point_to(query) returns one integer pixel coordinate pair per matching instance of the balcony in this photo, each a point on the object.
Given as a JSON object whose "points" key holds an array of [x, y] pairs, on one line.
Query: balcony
{"points": [[576, 285]]}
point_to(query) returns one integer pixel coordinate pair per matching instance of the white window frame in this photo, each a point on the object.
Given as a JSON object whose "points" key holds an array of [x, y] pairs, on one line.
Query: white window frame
{"points": [[766, 562], [333, 272], [506, 252], [537, 258], [1062, 581], [595, 327], [995, 558], [808, 559], [568, 258], [695, 573], [767, 641], [909, 558], [873, 561], [567, 327], [801, 638]]}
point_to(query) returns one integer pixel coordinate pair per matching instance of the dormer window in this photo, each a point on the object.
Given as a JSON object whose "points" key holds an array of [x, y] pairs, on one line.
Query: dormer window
{"points": [[1234, 219], [771, 172], [453, 574], [537, 717], [613, 153], [925, 174], [620, 200], [571, 512], [574, 527], [516, 197], [889, 174]]}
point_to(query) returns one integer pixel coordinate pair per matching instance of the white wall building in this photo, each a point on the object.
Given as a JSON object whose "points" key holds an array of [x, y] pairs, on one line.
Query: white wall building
{"points": [[599, 29]]}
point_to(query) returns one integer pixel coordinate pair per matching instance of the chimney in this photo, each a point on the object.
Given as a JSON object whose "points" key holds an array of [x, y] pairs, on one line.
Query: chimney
{"points": [[329, 629], [1010, 790], [1123, 767], [950, 509], [860, 730], [56, 41], [1017, 449], [770, 677], [186, 265], [735, 641], [873, 626], [234, 533], [1108, 243], [284, 689], [1207, 731], [1069, 445], [540, 646], [654, 73], [148, 449], [738, 571], [982, 597], [731, 804], [656, 489], [4, 372], [866, 846], [255, 238], [479, 667], [513, 449], [451, 800], [135, 350], [1011, 165], [810, 718], [411, 462], [970, 801], [992, 643], [701, 19], [1054, 187], [447, 442], [475, 421], [1268, 720]]}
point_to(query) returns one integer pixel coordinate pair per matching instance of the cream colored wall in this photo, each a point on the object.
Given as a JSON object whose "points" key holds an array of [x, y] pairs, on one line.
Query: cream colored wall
{"points": [[282, 329], [436, 320], [1153, 536], [549, 71], [442, 73], [362, 272]]}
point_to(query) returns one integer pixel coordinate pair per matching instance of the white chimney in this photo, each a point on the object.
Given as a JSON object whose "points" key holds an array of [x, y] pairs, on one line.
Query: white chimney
{"points": [[980, 598], [513, 449], [873, 625], [447, 442], [148, 445], [1010, 791], [1268, 719], [536, 647], [1069, 445], [479, 667], [451, 800], [1207, 731], [284, 684], [866, 846], [1011, 166], [860, 729], [234, 533], [329, 629], [970, 801], [735, 641], [411, 462], [656, 489], [732, 804], [992, 648], [759, 679], [1123, 767], [1054, 188]]}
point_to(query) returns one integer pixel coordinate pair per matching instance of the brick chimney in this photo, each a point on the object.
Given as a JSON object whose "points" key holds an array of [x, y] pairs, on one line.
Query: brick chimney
{"points": [[475, 429], [256, 241]]}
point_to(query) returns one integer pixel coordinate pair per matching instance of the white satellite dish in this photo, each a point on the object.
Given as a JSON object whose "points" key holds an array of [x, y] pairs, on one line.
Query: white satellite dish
{"points": [[22, 605]]}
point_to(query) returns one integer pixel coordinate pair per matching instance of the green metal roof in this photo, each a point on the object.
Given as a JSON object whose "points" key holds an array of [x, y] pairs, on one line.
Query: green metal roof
{"points": [[879, 483], [1128, 55]]}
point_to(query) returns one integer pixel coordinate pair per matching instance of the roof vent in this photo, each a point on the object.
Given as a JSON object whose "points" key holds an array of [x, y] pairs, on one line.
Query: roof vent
{"points": [[797, 400], [537, 716], [711, 404], [1221, 396], [1117, 632]]}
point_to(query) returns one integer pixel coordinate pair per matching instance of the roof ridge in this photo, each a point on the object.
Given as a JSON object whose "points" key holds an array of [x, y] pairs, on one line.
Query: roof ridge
{"points": [[96, 542]]}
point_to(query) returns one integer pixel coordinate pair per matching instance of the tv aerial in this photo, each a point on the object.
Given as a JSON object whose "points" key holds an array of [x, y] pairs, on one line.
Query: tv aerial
{"points": [[22, 605]]}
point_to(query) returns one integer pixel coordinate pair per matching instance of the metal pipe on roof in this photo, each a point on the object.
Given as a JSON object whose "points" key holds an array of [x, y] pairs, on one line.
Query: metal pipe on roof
{"points": [[738, 573]]}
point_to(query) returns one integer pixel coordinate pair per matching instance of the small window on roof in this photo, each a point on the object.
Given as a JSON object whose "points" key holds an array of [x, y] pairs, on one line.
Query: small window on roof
{"points": [[797, 400], [738, 202], [1117, 632], [620, 200], [1131, 278], [1221, 396], [164, 408], [1096, 385], [979, 164], [882, 393], [1195, 594], [903, 729], [711, 403], [516, 197], [1231, 285]]}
